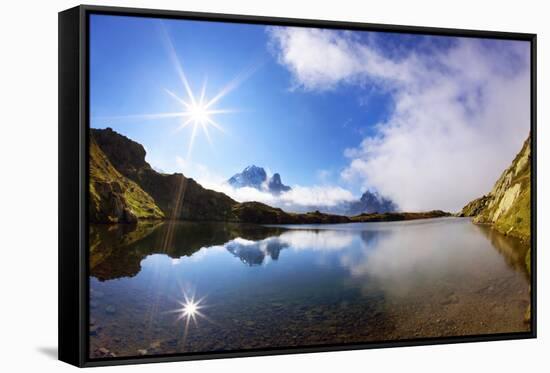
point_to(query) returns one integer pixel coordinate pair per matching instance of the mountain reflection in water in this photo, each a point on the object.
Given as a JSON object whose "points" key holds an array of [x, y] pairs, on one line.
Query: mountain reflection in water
{"points": [[301, 285]]}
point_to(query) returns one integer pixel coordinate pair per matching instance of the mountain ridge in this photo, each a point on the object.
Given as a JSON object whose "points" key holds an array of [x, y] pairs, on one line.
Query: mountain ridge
{"points": [[180, 198]]}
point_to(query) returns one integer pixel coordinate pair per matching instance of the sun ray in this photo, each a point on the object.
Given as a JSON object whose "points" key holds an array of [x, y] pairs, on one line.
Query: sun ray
{"points": [[233, 84], [143, 116], [197, 109], [184, 124], [216, 125], [190, 312], [206, 133], [192, 140], [177, 64], [203, 92], [177, 98], [222, 111]]}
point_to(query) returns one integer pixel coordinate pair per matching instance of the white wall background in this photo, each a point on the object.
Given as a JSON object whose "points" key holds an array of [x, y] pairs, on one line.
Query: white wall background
{"points": [[28, 184]]}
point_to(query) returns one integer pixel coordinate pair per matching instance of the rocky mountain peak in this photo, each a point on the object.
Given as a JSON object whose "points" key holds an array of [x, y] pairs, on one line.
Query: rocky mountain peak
{"points": [[255, 177], [252, 176], [371, 202], [275, 184]]}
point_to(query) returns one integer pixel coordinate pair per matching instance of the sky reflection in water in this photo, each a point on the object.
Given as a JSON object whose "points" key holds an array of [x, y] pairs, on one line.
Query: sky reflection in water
{"points": [[301, 285]]}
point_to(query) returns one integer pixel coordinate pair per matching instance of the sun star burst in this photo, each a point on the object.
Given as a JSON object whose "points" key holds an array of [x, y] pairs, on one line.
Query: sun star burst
{"points": [[190, 309], [198, 113]]}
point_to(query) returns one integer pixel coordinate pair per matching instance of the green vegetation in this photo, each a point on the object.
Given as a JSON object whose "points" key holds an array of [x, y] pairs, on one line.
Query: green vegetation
{"points": [[107, 239], [475, 207], [508, 206], [114, 198]]}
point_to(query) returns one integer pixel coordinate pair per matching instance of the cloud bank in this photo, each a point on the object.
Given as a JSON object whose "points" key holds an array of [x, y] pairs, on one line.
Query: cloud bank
{"points": [[298, 199], [461, 110]]}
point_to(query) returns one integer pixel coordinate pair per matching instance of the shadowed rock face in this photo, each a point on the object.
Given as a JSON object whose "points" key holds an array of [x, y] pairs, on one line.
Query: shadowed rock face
{"points": [[507, 207], [276, 186], [113, 197]]}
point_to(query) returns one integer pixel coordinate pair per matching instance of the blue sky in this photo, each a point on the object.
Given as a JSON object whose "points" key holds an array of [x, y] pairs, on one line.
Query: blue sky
{"points": [[320, 107], [292, 132]]}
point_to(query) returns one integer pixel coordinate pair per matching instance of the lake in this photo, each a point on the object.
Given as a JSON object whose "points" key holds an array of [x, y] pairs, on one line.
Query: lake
{"points": [[161, 288]]}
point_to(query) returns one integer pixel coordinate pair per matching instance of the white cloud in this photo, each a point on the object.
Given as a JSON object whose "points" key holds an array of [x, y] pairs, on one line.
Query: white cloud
{"points": [[298, 199], [459, 115], [322, 59], [322, 240]]}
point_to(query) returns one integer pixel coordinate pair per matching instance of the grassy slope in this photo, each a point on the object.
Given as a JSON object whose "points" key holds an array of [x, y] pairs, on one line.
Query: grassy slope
{"points": [[113, 197]]}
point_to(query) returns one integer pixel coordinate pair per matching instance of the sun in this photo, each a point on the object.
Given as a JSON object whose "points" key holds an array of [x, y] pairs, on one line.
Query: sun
{"points": [[199, 114], [198, 111], [190, 309]]}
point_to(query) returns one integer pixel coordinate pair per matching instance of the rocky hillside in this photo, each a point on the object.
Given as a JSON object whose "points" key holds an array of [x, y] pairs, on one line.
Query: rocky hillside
{"points": [[177, 196], [113, 197], [507, 207]]}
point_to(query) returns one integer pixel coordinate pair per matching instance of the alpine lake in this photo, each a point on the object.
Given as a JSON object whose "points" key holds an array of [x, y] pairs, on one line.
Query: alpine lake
{"points": [[177, 287]]}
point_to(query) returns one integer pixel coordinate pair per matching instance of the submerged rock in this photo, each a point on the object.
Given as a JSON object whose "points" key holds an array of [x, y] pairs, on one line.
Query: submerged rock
{"points": [[103, 352]]}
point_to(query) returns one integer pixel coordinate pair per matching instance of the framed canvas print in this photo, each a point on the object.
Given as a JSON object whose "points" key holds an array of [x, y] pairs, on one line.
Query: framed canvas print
{"points": [[239, 186]]}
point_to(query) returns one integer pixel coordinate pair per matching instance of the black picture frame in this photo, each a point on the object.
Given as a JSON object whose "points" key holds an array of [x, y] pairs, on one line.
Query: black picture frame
{"points": [[73, 181]]}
